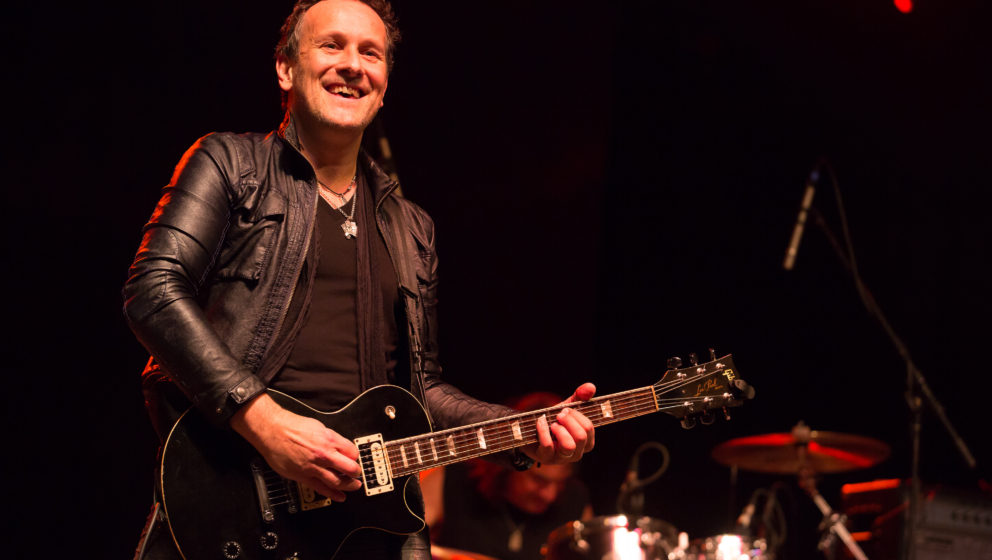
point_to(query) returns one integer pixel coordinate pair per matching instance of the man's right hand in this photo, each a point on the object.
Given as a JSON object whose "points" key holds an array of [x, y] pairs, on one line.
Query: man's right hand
{"points": [[300, 448]]}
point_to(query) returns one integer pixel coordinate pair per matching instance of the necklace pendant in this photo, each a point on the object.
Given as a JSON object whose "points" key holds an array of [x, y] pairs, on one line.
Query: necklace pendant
{"points": [[350, 229]]}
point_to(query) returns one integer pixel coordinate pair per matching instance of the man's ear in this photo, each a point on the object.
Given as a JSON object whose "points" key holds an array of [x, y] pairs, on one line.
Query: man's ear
{"points": [[284, 71]]}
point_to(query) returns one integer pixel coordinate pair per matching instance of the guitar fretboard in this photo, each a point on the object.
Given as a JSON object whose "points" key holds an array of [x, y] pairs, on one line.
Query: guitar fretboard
{"points": [[412, 455]]}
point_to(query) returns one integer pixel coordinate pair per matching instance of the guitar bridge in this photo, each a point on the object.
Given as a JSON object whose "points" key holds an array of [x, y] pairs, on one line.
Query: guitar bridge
{"points": [[376, 476]]}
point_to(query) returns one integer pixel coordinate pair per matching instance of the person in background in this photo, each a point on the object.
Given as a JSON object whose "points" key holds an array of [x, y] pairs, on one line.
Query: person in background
{"points": [[491, 510]]}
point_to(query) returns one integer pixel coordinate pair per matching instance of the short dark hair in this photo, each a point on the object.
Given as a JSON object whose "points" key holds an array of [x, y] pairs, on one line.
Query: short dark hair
{"points": [[289, 35]]}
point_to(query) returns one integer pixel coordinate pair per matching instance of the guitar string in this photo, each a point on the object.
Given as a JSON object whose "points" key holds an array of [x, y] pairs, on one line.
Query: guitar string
{"points": [[466, 443], [467, 452], [621, 398], [497, 441], [470, 436], [616, 398]]}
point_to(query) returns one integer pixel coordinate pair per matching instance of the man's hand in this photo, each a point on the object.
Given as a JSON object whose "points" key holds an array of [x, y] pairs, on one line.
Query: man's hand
{"points": [[569, 436], [300, 448]]}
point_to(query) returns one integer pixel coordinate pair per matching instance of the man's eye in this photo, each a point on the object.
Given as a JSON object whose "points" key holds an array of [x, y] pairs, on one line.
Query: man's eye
{"points": [[330, 45]]}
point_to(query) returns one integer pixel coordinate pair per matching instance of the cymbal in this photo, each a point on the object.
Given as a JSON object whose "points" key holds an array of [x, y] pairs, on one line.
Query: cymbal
{"points": [[822, 452]]}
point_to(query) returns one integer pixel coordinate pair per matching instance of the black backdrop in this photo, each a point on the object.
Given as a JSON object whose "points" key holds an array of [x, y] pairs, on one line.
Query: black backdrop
{"points": [[612, 184]]}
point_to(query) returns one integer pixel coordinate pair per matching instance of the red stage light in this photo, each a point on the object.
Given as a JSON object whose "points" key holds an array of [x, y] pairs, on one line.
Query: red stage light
{"points": [[904, 6]]}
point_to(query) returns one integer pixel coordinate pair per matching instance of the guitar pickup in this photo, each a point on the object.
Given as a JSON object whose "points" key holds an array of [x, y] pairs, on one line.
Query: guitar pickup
{"points": [[376, 476]]}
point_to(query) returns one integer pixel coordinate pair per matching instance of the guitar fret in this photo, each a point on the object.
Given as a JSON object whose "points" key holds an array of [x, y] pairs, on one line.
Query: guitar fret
{"points": [[515, 428], [416, 450], [607, 409], [451, 446], [433, 450], [482, 439], [406, 463]]}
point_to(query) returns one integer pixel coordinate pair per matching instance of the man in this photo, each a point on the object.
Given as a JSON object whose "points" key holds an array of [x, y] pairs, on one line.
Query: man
{"points": [[500, 512], [289, 261]]}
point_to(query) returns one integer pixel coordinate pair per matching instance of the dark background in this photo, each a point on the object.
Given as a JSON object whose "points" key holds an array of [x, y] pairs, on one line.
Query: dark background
{"points": [[613, 184]]}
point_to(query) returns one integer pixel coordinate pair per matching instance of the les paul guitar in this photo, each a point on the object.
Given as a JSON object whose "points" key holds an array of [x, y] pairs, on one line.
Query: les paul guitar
{"points": [[223, 502]]}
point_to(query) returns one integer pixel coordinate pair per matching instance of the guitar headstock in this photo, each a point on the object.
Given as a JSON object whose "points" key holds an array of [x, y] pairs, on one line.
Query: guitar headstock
{"points": [[700, 388]]}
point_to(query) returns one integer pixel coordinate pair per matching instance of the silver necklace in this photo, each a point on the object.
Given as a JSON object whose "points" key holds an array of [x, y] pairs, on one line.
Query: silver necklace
{"points": [[349, 226], [340, 195]]}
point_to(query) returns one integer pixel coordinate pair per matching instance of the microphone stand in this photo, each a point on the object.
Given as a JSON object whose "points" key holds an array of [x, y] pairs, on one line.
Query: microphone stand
{"points": [[916, 383]]}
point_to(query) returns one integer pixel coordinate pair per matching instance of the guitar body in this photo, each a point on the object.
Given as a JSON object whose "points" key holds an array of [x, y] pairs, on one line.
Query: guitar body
{"points": [[215, 502]]}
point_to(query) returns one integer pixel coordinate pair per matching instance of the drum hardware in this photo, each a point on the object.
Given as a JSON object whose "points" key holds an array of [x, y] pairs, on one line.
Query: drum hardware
{"points": [[806, 453], [724, 547], [615, 537], [772, 519]]}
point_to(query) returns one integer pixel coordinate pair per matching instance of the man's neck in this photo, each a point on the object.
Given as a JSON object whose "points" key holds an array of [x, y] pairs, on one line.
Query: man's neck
{"points": [[332, 153]]}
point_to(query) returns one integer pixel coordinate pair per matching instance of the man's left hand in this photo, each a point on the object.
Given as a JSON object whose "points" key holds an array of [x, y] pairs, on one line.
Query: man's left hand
{"points": [[567, 438]]}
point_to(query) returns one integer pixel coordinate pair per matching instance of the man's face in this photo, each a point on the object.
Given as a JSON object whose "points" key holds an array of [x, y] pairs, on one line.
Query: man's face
{"points": [[339, 76], [534, 490]]}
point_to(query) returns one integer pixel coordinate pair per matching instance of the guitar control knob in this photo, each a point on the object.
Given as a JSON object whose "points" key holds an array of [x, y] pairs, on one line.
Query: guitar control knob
{"points": [[270, 541], [232, 550]]}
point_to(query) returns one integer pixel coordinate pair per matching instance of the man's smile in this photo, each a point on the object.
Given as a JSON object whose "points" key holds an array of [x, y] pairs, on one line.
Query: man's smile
{"points": [[348, 92]]}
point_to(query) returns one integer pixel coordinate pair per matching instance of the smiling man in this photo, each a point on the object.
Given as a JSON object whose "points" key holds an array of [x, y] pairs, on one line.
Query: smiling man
{"points": [[288, 264]]}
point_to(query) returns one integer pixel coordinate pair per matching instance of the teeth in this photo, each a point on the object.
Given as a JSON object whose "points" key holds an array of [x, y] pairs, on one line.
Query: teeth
{"points": [[352, 92]]}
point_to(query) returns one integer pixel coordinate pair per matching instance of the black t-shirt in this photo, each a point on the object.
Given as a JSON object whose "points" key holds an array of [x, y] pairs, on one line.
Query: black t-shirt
{"points": [[322, 369]]}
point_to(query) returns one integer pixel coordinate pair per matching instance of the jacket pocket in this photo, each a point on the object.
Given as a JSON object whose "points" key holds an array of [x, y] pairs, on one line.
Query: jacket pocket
{"points": [[249, 242]]}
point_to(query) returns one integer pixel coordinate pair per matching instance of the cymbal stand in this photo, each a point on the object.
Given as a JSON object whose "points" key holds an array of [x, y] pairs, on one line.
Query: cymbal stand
{"points": [[832, 521]]}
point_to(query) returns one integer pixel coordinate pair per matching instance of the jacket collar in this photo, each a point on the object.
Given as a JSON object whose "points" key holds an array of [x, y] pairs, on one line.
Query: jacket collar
{"points": [[380, 182]]}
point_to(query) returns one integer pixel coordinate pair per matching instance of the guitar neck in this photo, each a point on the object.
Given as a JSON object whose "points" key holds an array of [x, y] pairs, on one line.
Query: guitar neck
{"points": [[418, 453]]}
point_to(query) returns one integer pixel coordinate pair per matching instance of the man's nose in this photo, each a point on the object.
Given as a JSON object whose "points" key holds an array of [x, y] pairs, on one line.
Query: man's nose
{"points": [[350, 62], [548, 493]]}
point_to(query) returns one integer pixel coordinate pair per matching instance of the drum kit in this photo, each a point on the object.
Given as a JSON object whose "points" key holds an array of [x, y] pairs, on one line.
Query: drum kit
{"points": [[802, 452]]}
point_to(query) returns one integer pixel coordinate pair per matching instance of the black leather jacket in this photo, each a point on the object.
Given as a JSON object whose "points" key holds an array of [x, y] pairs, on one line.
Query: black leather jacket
{"points": [[220, 261]]}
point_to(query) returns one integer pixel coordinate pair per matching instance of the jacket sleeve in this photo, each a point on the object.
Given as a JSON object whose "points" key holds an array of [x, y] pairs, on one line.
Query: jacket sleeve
{"points": [[178, 247]]}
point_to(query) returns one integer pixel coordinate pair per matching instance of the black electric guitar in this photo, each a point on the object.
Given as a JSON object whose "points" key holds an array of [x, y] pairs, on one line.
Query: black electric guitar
{"points": [[223, 502]]}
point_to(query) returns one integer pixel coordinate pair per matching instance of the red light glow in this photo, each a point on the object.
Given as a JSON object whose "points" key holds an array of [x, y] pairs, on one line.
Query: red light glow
{"points": [[904, 6]]}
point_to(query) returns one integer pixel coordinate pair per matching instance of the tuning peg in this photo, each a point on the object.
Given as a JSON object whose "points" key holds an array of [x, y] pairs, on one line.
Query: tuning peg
{"points": [[693, 359], [712, 355], [707, 418], [746, 390], [674, 362], [689, 422], [726, 414]]}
